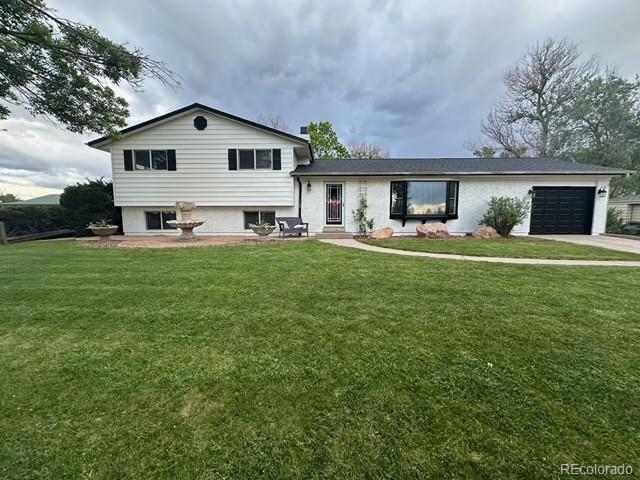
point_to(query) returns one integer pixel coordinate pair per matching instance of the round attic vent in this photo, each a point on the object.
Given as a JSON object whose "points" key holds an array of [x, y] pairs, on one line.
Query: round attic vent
{"points": [[200, 122]]}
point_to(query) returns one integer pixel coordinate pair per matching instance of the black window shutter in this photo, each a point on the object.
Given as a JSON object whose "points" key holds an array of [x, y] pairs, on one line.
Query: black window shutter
{"points": [[233, 159], [128, 160], [277, 164], [171, 160]]}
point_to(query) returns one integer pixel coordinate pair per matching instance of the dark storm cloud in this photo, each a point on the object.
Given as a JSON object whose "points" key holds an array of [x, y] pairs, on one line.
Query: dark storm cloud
{"points": [[416, 77]]}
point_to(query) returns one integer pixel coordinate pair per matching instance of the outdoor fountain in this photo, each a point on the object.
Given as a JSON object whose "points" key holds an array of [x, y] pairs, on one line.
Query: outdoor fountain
{"points": [[186, 223]]}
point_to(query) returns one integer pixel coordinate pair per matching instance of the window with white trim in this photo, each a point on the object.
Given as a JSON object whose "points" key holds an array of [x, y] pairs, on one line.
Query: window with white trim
{"points": [[259, 217], [255, 159], [150, 159], [157, 219]]}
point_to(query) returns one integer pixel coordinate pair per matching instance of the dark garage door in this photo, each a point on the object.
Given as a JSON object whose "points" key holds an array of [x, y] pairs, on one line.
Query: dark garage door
{"points": [[562, 210]]}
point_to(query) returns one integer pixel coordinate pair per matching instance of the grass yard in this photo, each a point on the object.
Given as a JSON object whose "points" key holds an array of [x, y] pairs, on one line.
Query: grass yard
{"points": [[525, 247], [305, 360]]}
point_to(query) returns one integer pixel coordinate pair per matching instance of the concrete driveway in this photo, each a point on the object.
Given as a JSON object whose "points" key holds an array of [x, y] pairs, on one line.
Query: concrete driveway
{"points": [[612, 243]]}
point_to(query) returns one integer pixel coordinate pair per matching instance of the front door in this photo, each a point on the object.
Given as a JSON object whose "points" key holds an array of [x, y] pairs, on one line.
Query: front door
{"points": [[333, 208]]}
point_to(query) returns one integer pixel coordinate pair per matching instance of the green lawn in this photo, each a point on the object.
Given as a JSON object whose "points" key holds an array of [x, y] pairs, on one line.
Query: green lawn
{"points": [[305, 360], [525, 247]]}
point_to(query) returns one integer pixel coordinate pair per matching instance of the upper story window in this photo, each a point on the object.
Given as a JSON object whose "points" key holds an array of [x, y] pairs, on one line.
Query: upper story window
{"points": [[254, 159], [149, 159], [424, 199]]}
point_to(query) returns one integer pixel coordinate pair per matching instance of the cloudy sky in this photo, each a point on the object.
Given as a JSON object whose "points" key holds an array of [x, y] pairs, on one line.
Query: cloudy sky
{"points": [[415, 77]]}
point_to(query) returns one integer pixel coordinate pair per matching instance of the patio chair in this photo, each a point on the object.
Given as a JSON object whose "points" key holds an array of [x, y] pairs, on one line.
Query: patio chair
{"points": [[292, 226]]}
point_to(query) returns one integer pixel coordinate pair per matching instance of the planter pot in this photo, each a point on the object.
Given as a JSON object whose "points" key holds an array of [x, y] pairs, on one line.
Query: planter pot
{"points": [[263, 231], [103, 233]]}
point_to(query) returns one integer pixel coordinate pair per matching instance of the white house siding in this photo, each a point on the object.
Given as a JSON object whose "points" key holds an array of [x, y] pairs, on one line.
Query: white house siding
{"points": [[474, 195], [624, 209], [218, 220], [630, 212], [202, 173]]}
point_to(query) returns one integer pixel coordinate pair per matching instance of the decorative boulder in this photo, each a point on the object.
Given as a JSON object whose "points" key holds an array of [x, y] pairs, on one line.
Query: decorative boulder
{"points": [[485, 232], [433, 230], [382, 233]]}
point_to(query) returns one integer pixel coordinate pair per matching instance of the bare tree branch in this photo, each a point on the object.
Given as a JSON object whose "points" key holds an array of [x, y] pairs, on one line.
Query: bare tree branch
{"points": [[540, 89], [274, 121]]}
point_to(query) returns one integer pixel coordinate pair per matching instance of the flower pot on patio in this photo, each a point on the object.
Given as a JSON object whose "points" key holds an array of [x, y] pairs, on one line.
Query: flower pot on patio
{"points": [[263, 231], [103, 231]]}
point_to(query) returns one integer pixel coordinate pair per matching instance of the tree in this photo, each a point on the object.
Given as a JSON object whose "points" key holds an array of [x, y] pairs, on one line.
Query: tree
{"points": [[273, 121], [606, 121], [540, 87], [367, 150], [8, 197], [89, 201], [63, 69], [629, 185], [483, 151], [324, 141], [557, 106], [605, 127], [26, 219]]}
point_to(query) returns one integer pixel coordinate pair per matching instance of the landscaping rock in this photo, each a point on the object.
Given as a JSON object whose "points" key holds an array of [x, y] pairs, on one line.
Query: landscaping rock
{"points": [[382, 233], [433, 230], [485, 232]]}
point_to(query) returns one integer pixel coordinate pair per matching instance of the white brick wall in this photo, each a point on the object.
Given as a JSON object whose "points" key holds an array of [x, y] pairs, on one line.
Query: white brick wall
{"points": [[474, 195], [219, 220]]}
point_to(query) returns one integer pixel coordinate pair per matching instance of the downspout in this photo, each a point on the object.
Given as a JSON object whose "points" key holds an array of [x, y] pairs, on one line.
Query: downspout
{"points": [[299, 197]]}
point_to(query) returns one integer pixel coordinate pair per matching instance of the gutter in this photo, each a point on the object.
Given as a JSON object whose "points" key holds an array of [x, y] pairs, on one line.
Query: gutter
{"points": [[432, 173], [299, 197]]}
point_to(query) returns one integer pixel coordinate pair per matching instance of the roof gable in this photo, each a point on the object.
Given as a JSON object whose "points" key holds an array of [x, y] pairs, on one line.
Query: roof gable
{"points": [[132, 130]]}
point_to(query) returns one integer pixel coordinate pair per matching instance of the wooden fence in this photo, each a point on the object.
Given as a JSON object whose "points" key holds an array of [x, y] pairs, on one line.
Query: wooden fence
{"points": [[5, 240]]}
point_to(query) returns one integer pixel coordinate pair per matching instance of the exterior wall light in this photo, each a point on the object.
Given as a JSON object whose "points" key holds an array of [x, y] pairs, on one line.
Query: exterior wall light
{"points": [[530, 192], [602, 192], [308, 185]]}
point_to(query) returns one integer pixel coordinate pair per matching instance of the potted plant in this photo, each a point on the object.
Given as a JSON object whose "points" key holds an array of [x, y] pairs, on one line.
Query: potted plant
{"points": [[263, 230], [102, 229]]}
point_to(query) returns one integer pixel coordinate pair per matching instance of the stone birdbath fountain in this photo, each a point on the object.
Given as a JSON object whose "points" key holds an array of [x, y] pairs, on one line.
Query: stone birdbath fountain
{"points": [[186, 224]]}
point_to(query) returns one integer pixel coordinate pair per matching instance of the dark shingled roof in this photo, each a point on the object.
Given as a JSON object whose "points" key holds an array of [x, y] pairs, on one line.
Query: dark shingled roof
{"points": [[451, 166]]}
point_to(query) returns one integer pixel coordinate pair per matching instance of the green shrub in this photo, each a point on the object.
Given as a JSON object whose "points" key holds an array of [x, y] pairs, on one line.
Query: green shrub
{"points": [[26, 219], [504, 213], [615, 222], [88, 202]]}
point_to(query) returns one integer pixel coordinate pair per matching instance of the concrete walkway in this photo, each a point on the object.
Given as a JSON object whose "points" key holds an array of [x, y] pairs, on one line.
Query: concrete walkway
{"points": [[602, 241], [446, 256]]}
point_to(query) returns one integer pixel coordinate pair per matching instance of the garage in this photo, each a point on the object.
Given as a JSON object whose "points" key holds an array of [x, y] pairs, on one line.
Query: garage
{"points": [[561, 210]]}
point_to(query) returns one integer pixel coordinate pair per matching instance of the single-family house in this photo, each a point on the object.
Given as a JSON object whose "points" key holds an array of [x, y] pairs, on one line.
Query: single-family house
{"points": [[628, 207], [239, 172]]}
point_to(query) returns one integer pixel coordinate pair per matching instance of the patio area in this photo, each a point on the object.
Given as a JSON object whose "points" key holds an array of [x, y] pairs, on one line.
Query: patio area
{"points": [[172, 241]]}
